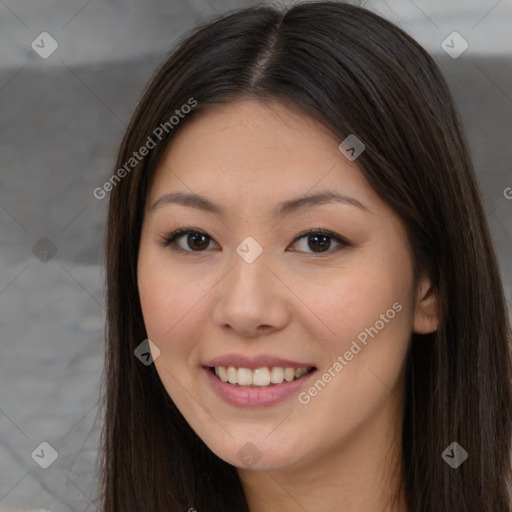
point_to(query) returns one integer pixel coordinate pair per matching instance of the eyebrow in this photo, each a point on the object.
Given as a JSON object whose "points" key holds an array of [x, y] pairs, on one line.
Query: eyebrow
{"points": [[300, 203]]}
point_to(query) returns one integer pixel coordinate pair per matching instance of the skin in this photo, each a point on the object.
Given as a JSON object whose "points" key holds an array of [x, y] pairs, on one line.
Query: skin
{"points": [[342, 449]]}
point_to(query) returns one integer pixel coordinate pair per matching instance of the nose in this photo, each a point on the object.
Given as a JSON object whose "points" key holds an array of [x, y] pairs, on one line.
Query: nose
{"points": [[251, 300]]}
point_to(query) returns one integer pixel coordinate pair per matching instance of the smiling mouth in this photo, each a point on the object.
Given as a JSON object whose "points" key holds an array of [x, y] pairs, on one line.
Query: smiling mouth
{"points": [[260, 377]]}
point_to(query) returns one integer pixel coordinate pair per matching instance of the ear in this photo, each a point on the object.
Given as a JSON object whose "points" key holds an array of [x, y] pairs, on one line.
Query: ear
{"points": [[425, 314]]}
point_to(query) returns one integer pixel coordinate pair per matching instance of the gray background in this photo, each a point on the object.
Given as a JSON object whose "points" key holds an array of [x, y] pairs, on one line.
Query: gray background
{"points": [[61, 122]]}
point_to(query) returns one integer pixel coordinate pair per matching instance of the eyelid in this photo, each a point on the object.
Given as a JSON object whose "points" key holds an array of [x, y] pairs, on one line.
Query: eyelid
{"points": [[168, 240]]}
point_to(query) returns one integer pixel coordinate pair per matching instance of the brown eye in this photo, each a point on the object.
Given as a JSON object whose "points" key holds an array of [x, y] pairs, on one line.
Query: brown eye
{"points": [[187, 240], [320, 241], [195, 241], [198, 241]]}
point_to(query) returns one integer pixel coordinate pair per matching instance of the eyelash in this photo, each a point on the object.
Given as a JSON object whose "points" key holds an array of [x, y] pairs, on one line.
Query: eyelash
{"points": [[170, 240]]}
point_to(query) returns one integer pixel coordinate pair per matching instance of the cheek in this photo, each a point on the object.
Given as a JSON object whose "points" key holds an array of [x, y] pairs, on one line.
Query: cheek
{"points": [[168, 311], [369, 316], [350, 302], [368, 310], [168, 300]]}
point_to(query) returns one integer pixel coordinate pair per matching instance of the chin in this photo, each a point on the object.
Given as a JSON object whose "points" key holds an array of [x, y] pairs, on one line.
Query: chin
{"points": [[257, 455]]}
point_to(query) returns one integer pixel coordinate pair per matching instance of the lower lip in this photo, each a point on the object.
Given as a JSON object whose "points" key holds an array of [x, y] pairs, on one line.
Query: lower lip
{"points": [[242, 396]]}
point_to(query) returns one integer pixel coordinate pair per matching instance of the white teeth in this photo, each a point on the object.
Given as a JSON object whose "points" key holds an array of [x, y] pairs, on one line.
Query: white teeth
{"points": [[232, 375], [223, 373], [244, 377], [277, 375], [299, 372], [260, 377], [289, 374]]}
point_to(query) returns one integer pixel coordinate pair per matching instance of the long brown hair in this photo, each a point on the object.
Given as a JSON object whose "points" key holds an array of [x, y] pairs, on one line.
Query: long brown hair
{"points": [[358, 74]]}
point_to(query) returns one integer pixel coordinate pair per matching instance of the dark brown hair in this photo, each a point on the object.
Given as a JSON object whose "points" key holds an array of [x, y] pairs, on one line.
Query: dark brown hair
{"points": [[358, 74]]}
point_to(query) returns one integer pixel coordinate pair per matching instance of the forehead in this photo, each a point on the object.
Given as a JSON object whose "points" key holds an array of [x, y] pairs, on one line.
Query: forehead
{"points": [[249, 149]]}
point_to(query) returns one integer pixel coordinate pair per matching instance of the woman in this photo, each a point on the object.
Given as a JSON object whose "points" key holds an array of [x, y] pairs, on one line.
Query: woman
{"points": [[304, 305]]}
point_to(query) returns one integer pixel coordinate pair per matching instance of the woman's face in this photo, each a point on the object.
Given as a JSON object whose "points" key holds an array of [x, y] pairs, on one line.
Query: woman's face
{"points": [[257, 295]]}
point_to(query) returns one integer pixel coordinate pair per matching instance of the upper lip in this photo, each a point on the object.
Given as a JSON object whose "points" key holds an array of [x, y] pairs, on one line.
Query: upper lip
{"points": [[240, 361]]}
